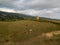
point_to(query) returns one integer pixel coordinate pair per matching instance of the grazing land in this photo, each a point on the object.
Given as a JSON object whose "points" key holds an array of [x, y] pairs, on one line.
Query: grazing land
{"points": [[29, 32]]}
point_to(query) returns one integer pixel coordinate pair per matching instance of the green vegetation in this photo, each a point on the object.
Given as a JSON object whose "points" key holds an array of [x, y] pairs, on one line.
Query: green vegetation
{"points": [[4, 16]]}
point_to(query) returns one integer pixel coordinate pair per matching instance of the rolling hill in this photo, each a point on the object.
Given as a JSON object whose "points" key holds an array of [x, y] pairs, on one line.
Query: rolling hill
{"points": [[20, 29], [6, 16]]}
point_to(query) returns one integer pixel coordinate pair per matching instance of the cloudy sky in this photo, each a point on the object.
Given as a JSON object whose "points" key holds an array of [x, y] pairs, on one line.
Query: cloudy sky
{"points": [[42, 8]]}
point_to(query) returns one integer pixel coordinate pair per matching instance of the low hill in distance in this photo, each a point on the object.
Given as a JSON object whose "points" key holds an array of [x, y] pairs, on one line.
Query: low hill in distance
{"points": [[6, 16]]}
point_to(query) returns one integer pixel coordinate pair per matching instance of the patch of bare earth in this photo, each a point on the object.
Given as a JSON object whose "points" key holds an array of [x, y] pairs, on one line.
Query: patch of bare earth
{"points": [[51, 34]]}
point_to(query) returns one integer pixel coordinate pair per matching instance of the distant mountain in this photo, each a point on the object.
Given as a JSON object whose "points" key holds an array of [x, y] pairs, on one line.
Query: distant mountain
{"points": [[4, 16]]}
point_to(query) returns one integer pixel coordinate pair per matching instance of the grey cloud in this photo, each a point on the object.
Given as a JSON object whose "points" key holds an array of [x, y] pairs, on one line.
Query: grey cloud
{"points": [[43, 4], [7, 3], [30, 4]]}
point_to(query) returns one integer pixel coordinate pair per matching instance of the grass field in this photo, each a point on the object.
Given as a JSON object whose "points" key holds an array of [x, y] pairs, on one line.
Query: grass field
{"points": [[27, 32]]}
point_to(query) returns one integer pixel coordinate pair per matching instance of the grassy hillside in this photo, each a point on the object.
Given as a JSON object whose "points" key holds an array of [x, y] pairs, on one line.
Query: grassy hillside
{"points": [[6, 16], [26, 32]]}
